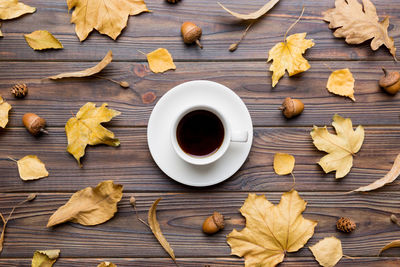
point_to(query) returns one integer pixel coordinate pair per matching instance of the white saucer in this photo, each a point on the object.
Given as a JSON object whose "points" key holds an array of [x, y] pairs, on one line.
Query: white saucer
{"points": [[173, 103]]}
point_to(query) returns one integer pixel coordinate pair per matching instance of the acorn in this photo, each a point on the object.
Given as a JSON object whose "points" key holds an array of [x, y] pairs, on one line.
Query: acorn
{"points": [[34, 124], [390, 81], [214, 223], [291, 107], [191, 33]]}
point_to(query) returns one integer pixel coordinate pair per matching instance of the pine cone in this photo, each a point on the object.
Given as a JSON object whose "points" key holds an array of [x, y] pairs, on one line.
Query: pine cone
{"points": [[345, 225], [172, 1], [19, 90]]}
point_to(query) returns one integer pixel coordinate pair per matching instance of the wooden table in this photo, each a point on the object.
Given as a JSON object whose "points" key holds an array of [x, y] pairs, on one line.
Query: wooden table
{"points": [[125, 241]]}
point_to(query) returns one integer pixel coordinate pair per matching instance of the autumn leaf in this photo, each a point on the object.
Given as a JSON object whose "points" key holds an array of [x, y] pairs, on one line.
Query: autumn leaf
{"points": [[283, 163], [86, 129], [45, 258], [271, 230], [106, 264], [255, 15], [4, 109], [155, 228], [388, 178], [108, 17], [359, 23], [341, 82], [89, 206], [11, 9], [341, 147], [31, 168], [288, 56], [160, 60], [86, 72], [40, 40], [327, 251], [392, 244]]}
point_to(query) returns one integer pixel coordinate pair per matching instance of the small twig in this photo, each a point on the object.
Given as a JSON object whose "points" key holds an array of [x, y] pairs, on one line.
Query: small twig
{"points": [[294, 23], [132, 201], [142, 52], [234, 46], [294, 180], [349, 257]]}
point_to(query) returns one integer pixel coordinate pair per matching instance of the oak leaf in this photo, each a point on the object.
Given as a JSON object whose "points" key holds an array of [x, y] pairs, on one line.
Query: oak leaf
{"points": [[283, 163], [86, 72], [86, 129], [11, 9], [359, 23], [271, 230], [45, 258], [160, 60], [341, 147], [31, 168], [90, 206], [39, 40], [255, 15], [108, 17], [106, 264], [392, 244], [288, 56], [327, 251], [4, 109], [341, 82]]}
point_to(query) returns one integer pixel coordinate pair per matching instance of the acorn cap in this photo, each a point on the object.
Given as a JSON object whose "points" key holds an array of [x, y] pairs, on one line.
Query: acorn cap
{"points": [[389, 78], [218, 220]]}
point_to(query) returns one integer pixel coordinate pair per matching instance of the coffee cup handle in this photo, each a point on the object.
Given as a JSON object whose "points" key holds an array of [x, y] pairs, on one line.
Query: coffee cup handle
{"points": [[239, 136]]}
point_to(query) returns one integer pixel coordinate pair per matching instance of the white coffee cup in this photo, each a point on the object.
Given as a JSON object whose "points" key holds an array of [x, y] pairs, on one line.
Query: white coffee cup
{"points": [[229, 136]]}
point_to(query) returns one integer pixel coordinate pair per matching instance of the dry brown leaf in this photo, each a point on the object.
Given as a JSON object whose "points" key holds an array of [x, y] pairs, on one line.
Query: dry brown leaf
{"points": [[108, 17], [340, 147], [11, 9], [45, 258], [283, 163], [271, 230], [40, 40], [155, 228], [255, 15], [86, 129], [31, 168], [341, 82], [388, 178], [86, 72], [160, 60], [4, 109], [393, 244], [359, 23], [90, 206], [327, 251], [106, 264]]}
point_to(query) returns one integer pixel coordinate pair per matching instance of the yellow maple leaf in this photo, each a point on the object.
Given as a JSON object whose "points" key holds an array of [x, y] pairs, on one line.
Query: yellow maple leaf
{"points": [[4, 109], [327, 251], [341, 147], [31, 168], [341, 82], [40, 40], [288, 56], [108, 17], [45, 258], [283, 163], [86, 129], [11, 9], [160, 60], [271, 230]]}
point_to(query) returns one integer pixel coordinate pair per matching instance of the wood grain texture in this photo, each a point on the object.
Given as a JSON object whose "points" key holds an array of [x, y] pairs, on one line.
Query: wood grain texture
{"points": [[161, 28]]}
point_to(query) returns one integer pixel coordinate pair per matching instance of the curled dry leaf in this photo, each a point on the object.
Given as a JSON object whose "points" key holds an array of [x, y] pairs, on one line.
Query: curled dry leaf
{"points": [[4, 109], [393, 244], [327, 251], [45, 258], [39, 40], [340, 147], [388, 178], [255, 15], [155, 228], [86, 129], [160, 60], [106, 264], [31, 168], [90, 206], [86, 72], [341, 82], [108, 17], [283, 163], [11, 9], [359, 23], [271, 230]]}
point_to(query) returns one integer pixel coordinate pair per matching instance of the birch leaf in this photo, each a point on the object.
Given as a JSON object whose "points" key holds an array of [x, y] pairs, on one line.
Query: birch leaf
{"points": [[86, 72], [106, 264], [341, 82], [4, 109], [255, 15], [283, 163], [393, 244], [340, 147], [31, 168], [39, 40], [45, 258], [327, 251], [155, 228], [388, 178], [90, 206], [11, 9], [160, 60]]}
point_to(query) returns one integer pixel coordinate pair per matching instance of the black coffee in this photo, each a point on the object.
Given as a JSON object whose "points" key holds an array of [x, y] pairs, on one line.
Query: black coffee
{"points": [[200, 133]]}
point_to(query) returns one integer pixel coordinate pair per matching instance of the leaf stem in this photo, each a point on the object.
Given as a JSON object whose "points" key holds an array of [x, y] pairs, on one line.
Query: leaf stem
{"points": [[293, 24], [10, 158], [234, 46]]}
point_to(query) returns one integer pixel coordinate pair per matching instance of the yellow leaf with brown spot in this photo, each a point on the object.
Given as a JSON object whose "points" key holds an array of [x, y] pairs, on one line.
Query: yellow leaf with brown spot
{"points": [[283, 163], [327, 251], [31, 168], [288, 56], [4, 109], [160, 60], [40, 40], [11, 9], [45, 258], [341, 82]]}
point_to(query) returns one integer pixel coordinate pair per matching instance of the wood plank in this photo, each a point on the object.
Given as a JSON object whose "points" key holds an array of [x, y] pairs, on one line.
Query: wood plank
{"points": [[55, 100], [125, 236], [131, 164], [162, 28]]}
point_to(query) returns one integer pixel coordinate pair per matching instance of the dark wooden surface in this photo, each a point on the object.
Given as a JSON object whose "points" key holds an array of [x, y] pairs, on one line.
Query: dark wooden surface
{"points": [[125, 241]]}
